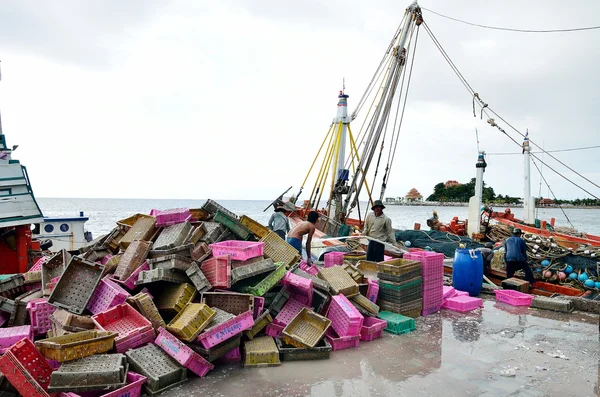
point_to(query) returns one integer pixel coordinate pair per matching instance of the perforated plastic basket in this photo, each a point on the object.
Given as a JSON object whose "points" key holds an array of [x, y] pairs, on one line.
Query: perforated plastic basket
{"points": [[133, 257], [130, 281], [173, 297], [76, 285], [234, 225], [198, 278], [341, 342], [339, 280], [345, 318], [218, 271], [230, 302], [122, 319], [238, 250], [163, 371], [268, 282], [26, 369], [171, 262], [372, 328], [372, 290], [252, 270], [10, 336], [142, 230], [172, 216], [300, 288], [132, 388], [107, 294], [92, 373], [39, 315], [226, 330], [190, 321], [334, 258], [287, 313], [514, 298], [462, 304], [261, 352], [256, 228], [182, 353], [76, 345], [279, 250], [397, 323], [321, 351], [306, 329], [145, 305], [362, 304], [259, 324]]}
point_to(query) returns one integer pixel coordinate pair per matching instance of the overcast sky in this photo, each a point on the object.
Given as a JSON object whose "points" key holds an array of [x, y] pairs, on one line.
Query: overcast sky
{"points": [[231, 99]]}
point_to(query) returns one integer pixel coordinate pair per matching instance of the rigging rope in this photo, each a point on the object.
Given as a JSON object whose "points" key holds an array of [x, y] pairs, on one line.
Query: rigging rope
{"points": [[547, 151], [553, 195], [485, 109], [513, 29]]}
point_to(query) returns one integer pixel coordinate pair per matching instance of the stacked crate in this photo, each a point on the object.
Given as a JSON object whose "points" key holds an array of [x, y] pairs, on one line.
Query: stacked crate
{"points": [[400, 287], [432, 274]]}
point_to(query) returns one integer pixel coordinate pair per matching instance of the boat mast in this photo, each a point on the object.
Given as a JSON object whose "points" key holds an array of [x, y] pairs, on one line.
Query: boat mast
{"points": [[528, 202], [475, 202], [383, 109], [341, 122]]}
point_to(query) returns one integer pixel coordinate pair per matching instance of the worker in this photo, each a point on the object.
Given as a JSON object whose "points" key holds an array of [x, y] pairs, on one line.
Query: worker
{"points": [[488, 255], [279, 223], [378, 226], [515, 256], [297, 233]]}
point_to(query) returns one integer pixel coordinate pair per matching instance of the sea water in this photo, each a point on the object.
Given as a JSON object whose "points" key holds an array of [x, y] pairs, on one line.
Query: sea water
{"points": [[103, 213]]}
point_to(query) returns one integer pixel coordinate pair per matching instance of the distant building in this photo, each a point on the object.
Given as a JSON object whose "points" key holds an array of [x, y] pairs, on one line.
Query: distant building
{"points": [[546, 202], [451, 183], [413, 196]]}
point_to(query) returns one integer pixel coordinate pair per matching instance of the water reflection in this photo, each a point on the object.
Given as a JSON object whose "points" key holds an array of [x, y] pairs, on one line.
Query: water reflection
{"points": [[467, 327]]}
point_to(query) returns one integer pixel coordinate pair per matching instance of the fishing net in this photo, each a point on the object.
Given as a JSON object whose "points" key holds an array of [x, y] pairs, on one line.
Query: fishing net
{"points": [[443, 242]]}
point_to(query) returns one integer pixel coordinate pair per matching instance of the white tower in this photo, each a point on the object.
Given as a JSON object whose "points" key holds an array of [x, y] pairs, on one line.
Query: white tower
{"points": [[528, 201], [475, 202]]}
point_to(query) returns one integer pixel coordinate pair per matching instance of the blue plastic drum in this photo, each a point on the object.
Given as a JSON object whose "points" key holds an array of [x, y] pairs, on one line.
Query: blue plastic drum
{"points": [[467, 271]]}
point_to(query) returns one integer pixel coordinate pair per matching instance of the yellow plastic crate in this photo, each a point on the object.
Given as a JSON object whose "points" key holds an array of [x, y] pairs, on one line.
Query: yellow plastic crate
{"points": [[306, 329], [174, 297], [261, 352], [190, 321], [130, 221], [398, 266], [259, 324], [256, 228], [76, 345], [367, 266], [339, 281], [279, 250]]}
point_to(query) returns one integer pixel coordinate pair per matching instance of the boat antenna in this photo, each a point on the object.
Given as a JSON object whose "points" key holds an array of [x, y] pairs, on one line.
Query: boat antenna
{"points": [[0, 114], [477, 138]]}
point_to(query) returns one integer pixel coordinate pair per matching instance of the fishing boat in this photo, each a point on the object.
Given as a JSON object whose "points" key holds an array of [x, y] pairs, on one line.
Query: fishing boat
{"points": [[348, 167]]}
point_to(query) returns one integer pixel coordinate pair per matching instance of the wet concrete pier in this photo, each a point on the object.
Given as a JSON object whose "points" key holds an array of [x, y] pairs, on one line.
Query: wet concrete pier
{"points": [[499, 350]]}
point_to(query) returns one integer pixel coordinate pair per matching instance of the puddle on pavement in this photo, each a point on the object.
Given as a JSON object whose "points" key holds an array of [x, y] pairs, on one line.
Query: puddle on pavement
{"points": [[495, 351]]}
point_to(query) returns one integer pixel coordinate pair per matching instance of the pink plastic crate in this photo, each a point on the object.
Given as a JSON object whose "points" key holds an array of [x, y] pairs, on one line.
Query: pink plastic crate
{"points": [[183, 354], [106, 295], [31, 287], [232, 356], [106, 259], [432, 264], [238, 250], [372, 290], [430, 310], [218, 271], [129, 282], [310, 269], [334, 258], [462, 304], [372, 328], [288, 312], [341, 342], [447, 292], [135, 340], [259, 305], [460, 293], [26, 369], [300, 288], [37, 266], [514, 298], [133, 388], [10, 336], [346, 320], [172, 216], [274, 330], [122, 319], [39, 314], [219, 333], [432, 295]]}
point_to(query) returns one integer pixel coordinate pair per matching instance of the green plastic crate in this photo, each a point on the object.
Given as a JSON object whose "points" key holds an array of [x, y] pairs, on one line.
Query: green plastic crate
{"points": [[268, 282], [234, 226], [397, 323]]}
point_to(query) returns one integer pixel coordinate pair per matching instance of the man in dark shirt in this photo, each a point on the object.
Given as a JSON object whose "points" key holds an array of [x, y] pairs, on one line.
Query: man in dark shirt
{"points": [[515, 256]]}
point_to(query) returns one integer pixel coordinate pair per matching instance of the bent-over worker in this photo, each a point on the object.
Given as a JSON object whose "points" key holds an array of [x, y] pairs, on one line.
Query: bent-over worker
{"points": [[515, 256], [378, 226], [297, 233]]}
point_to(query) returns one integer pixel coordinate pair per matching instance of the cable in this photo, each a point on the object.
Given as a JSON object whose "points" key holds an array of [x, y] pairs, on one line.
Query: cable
{"points": [[512, 29], [547, 151], [553, 195]]}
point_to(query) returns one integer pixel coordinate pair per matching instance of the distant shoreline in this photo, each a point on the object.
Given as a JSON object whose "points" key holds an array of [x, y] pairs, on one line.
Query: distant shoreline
{"points": [[447, 204]]}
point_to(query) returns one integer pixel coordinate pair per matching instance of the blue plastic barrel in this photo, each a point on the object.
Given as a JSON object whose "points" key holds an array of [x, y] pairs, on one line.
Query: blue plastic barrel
{"points": [[467, 271]]}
